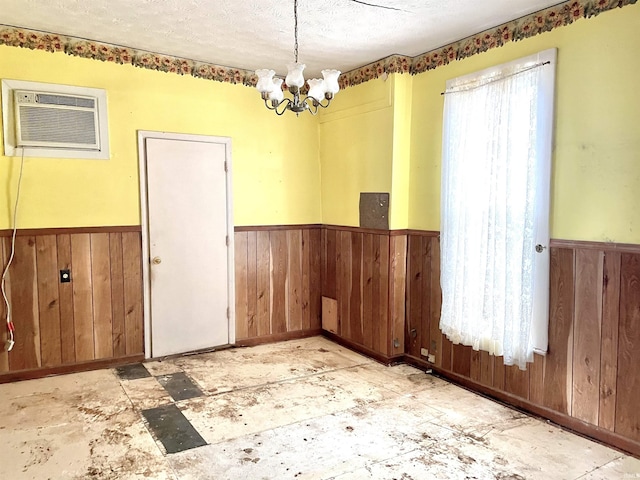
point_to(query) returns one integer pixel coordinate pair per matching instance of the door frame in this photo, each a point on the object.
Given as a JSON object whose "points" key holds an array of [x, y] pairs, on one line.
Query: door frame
{"points": [[143, 135]]}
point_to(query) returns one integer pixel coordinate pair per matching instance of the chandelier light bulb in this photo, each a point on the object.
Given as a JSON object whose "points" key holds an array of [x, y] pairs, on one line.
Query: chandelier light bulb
{"points": [[265, 80], [294, 75], [316, 89], [331, 81], [276, 95]]}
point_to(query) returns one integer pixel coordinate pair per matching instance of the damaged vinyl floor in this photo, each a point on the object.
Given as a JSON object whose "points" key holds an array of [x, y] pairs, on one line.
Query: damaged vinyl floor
{"points": [[303, 409]]}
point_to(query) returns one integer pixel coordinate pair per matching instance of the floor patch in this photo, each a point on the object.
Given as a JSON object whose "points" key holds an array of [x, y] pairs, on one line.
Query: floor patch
{"points": [[172, 429], [179, 386], [132, 372]]}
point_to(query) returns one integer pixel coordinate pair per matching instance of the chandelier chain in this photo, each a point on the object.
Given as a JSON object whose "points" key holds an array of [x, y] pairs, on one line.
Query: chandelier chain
{"points": [[295, 20]]}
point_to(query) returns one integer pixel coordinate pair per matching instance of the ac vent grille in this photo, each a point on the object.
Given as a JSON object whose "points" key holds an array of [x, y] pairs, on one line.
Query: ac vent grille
{"points": [[57, 126], [49, 99]]}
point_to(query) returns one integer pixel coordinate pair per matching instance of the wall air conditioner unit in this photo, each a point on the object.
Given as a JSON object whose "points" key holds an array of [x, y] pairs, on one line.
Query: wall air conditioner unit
{"points": [[49, 120], [55, 120]]}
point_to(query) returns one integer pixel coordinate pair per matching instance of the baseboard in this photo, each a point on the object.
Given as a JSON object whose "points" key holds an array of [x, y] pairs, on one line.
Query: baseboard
{"points": [[570, 423], [278, 337], [71, 368], [363, 350]]}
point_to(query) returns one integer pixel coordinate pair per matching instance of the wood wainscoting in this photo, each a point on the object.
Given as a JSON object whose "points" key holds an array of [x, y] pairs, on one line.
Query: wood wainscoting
{"points": [[364, 270], [277, 283], [95, 317], [589, 380]]}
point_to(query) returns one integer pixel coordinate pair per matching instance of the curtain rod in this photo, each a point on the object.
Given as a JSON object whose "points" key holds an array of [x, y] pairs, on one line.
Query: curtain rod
{"points": [[462, 88]]}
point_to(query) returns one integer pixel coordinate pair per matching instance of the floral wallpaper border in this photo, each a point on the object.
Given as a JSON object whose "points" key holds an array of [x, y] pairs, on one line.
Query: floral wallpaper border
{"points": [[543, 21]]}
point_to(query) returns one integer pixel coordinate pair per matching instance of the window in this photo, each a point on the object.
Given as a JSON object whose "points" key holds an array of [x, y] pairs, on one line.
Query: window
{"points": [[496, 157]]}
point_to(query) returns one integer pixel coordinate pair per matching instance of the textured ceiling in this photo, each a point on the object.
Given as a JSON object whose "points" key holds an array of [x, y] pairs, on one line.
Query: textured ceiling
{"points": [[251, 34]]}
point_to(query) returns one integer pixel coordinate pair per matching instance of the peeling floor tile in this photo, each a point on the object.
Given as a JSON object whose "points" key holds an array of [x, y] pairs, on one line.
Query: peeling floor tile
{"points": [[146, 393], [132, 372], [179, 386], [162, 367], [170, 427]]}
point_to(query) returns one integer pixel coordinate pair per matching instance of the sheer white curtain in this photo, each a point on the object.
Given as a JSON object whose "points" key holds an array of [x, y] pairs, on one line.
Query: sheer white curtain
{"points": [[495, 206]]}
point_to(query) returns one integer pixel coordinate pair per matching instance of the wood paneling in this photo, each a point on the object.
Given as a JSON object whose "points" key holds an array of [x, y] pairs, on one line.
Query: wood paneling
{"points": [[278, 282], [329, 315], [263, 279], [279, 291], [343, 272], [65, 292], [558, 371], [4, 334], [397, 278], [461, 360], [355, 297], [587, 335], [294, 280], [474, 371], [499, 373], [368, 260], [48, 300], [59, 325], [536, 379], [609, 352], [427, 297], [590, 372], [627, 411], [306, 279], [381, 342], [132, 268], [414, 328], [240, 251], [101, 281], [435, 345], [486, 368], [24, 304], [358, 273], [117, 294], [252, 284], [516, 381], [315, 279], [82, 296]]}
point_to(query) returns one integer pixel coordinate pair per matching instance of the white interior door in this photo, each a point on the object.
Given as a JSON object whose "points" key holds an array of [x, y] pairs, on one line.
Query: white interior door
{"points": [[187, 245]]}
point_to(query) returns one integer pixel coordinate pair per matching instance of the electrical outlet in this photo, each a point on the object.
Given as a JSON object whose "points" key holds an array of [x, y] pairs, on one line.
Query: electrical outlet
{"points": [[424, 352], [431, 358], [65, 276]]}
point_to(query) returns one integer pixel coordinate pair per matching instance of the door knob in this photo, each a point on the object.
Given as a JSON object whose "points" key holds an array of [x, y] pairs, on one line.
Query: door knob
{"points": [[156, 260], [540, 248]]}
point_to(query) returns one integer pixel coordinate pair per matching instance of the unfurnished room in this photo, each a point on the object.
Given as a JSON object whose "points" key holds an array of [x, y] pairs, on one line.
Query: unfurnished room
{"points": [[304, 239]]}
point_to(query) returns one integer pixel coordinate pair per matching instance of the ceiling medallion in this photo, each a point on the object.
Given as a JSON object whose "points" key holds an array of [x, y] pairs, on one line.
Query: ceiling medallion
{"points": [[320, 89]]}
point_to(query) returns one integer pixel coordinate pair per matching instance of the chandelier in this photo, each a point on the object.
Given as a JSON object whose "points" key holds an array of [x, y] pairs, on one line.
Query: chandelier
{"points": [[320, 89]]}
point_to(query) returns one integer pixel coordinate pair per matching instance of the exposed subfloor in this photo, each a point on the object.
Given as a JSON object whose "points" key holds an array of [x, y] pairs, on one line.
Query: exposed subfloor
{"points": [[303, 409]]}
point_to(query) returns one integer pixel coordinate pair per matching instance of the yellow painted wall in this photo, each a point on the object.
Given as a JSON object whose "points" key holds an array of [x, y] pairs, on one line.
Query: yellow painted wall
{"points": [[356, 149], [596, 165], [401, 169], [276, 170], [382, 136]]}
